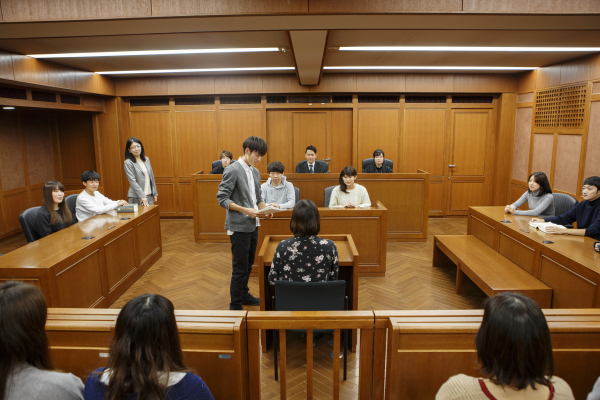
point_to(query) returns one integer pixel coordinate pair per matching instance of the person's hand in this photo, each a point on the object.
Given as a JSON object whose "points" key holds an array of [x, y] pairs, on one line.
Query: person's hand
{"points": [[266, 216], [144, 202], [509, 209], [537, 220], [155, 199], [556, 230], [597, 247], [274, 205], [122, 203], [252, 213], [350, 205]]}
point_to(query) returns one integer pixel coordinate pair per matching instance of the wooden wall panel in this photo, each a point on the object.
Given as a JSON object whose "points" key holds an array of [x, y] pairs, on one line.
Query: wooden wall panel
{"points": [[192, 85], [378, 129], [578, 70], [341, 140], [358, 6], [110, 152], [32, 10], [520, 163], [516, 192], [596, 88], [31, 70], [469, 143], [592, 157], [279, 139], [196, 141], [154, 131], [430, 83], [436, 197], [238, 84], [166, 197], [336, 83], [520, 6], [36, 197], [310, 128], [525, 97], [236, 126], [6, 65], [380, 83], [142, 86], [283, 83], [542, 154], [465, 194], [548, 76], [226, 7], [38, 147], [424, 133], [13, 206], [501, 83], [76, 144], [12, 170], [566, 169], [505, 137], [526, 81], [61, 76], [185, 197]]}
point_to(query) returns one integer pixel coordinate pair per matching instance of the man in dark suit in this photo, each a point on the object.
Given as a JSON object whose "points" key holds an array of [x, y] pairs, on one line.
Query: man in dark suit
{"points": [[311, 165]]}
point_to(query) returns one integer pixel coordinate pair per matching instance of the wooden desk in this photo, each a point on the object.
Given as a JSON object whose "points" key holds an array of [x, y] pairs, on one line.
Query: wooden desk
{"points": [[348, 261], [569, 266], [73, 272], [405, 195], [213, 344]]}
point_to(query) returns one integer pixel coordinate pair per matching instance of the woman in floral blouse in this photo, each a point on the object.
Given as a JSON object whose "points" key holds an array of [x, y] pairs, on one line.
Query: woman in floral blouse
{"points": [[305, 257]]}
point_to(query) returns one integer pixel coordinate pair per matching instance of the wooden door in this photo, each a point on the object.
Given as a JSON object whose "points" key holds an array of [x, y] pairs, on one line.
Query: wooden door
{"points": [[378, 129], [310, 128], [468, 168]]}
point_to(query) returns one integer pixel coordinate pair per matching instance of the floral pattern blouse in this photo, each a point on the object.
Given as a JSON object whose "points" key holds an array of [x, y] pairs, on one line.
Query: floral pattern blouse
{"points": [[305, 258]]}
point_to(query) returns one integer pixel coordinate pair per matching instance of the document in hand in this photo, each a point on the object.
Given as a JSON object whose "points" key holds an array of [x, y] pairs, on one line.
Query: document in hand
{"points": [[542, 225], [270, 210]]}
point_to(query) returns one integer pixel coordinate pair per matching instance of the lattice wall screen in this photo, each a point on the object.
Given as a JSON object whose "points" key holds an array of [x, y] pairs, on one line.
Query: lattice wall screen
{"points": [[561, 107]]}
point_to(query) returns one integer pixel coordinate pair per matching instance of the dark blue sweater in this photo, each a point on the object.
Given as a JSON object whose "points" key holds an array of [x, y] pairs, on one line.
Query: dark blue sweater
{"points": [[587, 215], [190, 387]]}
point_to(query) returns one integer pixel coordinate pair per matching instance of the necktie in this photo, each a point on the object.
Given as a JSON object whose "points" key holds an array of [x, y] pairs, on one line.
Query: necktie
{"points": [[310, 169]]}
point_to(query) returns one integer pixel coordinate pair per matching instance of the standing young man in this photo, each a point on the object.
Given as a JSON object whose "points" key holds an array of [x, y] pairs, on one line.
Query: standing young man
{"points": [[240, 194]]}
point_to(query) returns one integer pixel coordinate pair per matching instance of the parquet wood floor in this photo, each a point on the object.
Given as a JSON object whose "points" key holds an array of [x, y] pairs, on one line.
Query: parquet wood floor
{"points": [[195, 276]]}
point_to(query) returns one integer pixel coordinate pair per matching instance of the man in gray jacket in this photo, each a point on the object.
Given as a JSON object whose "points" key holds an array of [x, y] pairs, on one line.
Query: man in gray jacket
{"points": [[240, 194], [276, 192]]}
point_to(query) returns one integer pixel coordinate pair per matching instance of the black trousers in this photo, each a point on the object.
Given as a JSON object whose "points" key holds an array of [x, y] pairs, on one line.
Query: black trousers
{"points": [[243, 248]]}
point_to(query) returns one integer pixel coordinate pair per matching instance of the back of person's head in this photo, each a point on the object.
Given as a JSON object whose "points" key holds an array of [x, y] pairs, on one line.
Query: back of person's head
{"points": [[146, 342], [275, 166], [22, 329], [513, 343], [593, 181], [313, 148], [254, 143], [306, 220], [226, 153], [130, 142], [541, 179], [48, 191], [378, 152], [347, 171], [90, 176]]}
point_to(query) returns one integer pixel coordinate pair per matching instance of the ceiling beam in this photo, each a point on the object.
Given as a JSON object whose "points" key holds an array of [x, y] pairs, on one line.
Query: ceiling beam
{"points": [[308, 48]]}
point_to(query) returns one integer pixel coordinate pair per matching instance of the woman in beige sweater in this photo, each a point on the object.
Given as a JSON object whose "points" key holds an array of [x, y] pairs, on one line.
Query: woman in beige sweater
{"points": [[349, 194], [515, 355]]}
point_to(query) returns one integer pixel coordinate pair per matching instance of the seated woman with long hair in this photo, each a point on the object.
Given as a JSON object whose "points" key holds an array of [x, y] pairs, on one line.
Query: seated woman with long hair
{"points": [[515, 355], [54, 215], [25, 368], [538, 197], [349, 194], [145, 360]]}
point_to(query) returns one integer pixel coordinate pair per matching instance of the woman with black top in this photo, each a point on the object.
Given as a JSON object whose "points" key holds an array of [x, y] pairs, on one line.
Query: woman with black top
{"points": [[54, 215]]}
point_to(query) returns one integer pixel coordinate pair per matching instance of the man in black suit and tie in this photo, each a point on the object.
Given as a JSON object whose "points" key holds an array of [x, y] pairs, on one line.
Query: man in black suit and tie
{"points": [[311, 165]]}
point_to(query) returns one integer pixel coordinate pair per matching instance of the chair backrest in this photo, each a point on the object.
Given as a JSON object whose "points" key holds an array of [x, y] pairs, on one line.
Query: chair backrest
{"points": [[327, 196], [368, 161], [27, 219], [72, 203], [321, 162], [315, 296], [218, 162], [297, 193], [563, 203]]}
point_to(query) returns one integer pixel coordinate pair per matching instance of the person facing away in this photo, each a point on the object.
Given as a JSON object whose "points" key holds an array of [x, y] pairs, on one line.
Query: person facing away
{"points": [[142, 187], [515, 355], [310, 165], [585, 213], [349, 194], [306, 257], [90, 202], [26, 370], [54, 215], [145, 359], [538, 197], [377, 167], [225, 158], [276, 191], [239, 193]]}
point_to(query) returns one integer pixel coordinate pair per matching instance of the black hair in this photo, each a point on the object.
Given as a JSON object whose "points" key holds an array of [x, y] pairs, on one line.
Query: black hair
{"points": [[378, 152], [254, 143], [128, 155], [89, 176], [593, 181], [513, 343], [311, 147], [226, 153], [541, 179], [275, 166], [306, 220], [347, 171]]}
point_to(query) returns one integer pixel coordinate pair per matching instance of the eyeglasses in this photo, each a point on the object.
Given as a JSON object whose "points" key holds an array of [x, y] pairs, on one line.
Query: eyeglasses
{"points": [[135, 147]]}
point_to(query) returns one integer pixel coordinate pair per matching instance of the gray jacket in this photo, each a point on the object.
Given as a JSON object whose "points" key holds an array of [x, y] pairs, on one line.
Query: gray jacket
{"points": [[234, 189], [136, 179], [283, 195]]}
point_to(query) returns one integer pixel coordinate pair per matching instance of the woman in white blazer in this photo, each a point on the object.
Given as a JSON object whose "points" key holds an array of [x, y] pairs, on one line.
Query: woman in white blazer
{"points": [[142, 187]]}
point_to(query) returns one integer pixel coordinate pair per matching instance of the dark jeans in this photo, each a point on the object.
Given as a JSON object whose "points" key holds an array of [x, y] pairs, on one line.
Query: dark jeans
{"points": [[243, 248]]}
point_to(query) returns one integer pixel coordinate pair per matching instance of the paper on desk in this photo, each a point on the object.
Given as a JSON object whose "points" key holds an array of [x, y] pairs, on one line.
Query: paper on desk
{"points": [[270, 210]]}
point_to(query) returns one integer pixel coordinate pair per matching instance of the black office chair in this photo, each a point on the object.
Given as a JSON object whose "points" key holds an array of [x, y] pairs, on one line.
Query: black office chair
{"points": [[315, 296], [327, 195], [297, 193], [72, 204], [27, 220], [563, 203], [369, 161], [218, 162]]}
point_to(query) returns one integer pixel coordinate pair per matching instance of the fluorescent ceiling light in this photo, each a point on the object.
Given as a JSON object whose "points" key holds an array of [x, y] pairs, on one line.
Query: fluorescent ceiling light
{"points": [[8, 108], [156, 52], [179, 71], [433, 68], [469, 48]]}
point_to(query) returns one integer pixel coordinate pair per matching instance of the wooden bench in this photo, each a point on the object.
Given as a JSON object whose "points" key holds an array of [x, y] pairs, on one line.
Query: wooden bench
{"points": [[491, 271], [425, 348], [213, 343]]}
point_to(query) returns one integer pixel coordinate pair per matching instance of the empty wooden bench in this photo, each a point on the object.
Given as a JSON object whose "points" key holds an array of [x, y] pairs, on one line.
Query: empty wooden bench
{"points": [[213, 343], [491, 271]]}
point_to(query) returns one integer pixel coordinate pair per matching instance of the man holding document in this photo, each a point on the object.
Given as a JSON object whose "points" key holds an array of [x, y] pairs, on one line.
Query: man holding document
{"points": [[240, 194]]}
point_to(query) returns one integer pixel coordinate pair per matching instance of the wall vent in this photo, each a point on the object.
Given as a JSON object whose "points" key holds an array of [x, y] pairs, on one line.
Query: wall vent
{"points": [[562, 107]]}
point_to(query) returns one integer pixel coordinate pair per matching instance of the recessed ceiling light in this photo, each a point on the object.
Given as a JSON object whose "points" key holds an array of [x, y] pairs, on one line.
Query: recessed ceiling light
{"points": [[157, 52], [467, 48], [8, 108], [179, 71], [407, 67]]}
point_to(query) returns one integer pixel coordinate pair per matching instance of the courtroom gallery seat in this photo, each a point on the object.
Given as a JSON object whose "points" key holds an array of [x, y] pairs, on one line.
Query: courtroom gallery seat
{"points": [[297, 193], [27, 220], [72, 203], [563, 203], [327, 195], [368, 161]]}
